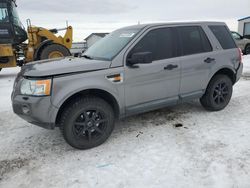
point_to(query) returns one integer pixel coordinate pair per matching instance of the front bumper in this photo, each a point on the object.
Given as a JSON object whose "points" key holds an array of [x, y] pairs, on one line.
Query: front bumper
{"points": [[35, 110]]}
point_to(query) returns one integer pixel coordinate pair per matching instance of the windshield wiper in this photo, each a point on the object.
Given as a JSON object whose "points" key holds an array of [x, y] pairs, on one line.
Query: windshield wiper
{"points": [[87, 57]]}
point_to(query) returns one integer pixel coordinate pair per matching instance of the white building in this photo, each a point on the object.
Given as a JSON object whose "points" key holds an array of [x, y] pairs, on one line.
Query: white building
{"points": [[244, 27], [78, 48], [94, 37]]}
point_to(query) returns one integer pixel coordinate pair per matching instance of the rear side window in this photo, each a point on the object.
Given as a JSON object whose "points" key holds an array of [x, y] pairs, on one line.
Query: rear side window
{"points": [[160, 42], [193, 40], [223, 36]]}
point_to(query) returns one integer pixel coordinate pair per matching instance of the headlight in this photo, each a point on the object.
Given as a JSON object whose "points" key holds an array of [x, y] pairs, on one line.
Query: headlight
{"points": [[36, 87]]}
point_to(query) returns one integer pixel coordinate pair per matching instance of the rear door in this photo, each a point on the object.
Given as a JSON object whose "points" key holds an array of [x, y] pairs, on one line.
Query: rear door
{"points": [[196, 60], [148, 86], [227, 53]]}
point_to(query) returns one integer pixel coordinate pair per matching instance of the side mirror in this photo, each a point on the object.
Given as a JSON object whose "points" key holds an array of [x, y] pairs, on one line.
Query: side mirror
{"points": [[140, 58]]}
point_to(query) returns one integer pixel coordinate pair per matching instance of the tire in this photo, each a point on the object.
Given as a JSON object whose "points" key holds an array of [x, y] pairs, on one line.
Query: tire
{"points": [[54, 51], [218, 93], [87, 122], [247, 49]]}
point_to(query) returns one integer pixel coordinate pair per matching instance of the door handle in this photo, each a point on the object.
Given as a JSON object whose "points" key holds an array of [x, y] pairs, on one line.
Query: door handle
{"points": [[171, 67], [209, 60]]}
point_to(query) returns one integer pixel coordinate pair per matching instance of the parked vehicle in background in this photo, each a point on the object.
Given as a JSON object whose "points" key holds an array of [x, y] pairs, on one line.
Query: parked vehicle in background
{"points": [[243, 43], [132, 70]]}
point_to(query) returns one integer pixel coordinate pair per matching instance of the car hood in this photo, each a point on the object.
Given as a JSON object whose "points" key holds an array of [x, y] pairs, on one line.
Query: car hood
{"points": [[62, 66]]}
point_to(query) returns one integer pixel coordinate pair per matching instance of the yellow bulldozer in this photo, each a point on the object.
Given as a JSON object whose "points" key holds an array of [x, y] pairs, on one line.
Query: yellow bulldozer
{"points": [[41, 43]]}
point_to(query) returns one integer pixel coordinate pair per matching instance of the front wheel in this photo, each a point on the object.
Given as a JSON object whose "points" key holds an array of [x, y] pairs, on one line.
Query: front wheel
{"points": [[87, 122], [218, 93]]}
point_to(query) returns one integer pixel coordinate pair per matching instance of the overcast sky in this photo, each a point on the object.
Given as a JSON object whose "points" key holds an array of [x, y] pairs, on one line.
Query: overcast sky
{"points": [[87, 16]]}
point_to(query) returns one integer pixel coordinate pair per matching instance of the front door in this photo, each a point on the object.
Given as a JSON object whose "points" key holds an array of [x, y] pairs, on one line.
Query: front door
{"points": [[149, 86]]}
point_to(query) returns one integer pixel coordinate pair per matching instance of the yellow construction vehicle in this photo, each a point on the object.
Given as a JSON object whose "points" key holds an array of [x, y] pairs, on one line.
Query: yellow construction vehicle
{"points": [[41, 43]]}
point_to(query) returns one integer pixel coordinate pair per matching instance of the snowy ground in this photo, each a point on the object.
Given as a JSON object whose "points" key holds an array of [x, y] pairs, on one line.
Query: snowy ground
{"points": [[246, 71], [211, 149]]}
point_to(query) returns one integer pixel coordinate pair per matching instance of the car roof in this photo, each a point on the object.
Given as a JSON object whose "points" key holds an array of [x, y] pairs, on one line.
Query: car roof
{"points": [[141, 26]]}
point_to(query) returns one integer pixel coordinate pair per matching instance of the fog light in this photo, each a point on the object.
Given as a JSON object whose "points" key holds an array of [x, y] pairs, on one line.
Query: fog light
{"points": [[26, 109]]}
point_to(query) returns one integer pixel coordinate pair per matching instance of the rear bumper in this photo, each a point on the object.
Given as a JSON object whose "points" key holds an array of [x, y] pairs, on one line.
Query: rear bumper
{"points": [[239, 72], [35, 110]]}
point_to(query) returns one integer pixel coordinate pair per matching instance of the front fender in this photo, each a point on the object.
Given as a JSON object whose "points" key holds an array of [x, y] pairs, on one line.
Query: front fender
{"points": [[67, 86]]}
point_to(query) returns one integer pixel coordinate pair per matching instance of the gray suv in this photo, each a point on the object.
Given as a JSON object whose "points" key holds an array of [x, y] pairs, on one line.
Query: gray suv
{"points": [[132, 70]]}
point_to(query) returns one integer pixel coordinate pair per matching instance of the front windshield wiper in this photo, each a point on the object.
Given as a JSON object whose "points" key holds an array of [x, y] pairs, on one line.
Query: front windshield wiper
{"points": [[87, 57]]}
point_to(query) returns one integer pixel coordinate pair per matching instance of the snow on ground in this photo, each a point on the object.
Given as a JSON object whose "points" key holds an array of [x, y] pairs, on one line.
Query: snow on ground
{"points": [[7, 77], [246, 60], [211, 149]]}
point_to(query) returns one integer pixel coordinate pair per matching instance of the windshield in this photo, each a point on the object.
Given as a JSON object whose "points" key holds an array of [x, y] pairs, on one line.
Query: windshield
{"points": [[16, 19], [108, 47], [4, 16]]}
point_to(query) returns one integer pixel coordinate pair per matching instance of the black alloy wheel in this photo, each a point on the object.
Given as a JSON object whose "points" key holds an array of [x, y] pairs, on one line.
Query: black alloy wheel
{"points": [[90, 124], [87, 122], [221, 93], [218, 93]]}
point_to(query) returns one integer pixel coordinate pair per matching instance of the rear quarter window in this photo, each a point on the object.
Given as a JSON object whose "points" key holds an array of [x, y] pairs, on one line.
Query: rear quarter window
{"points": [[223, 36]]}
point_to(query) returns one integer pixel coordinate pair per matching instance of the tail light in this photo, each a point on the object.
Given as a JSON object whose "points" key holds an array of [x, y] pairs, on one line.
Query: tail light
{"points": [[240, 55]]}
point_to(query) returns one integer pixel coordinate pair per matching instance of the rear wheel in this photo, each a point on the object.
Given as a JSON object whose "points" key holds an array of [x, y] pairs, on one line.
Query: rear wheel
{"points": [[54, 51], [87, 122], [247, 49], [218, 93]]}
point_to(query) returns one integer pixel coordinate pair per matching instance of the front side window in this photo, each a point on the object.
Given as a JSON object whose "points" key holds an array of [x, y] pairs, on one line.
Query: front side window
{"points": [[193, 40], [160, 42], [4, 16], [223, 36]]}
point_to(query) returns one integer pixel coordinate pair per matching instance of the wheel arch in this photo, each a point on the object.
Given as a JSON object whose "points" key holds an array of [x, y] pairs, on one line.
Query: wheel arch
{"points": [[108, 97], [225, 71]]}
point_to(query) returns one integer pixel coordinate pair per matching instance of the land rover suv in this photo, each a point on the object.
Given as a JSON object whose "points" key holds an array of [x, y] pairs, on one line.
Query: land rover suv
{"points": [[132, 70]]}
